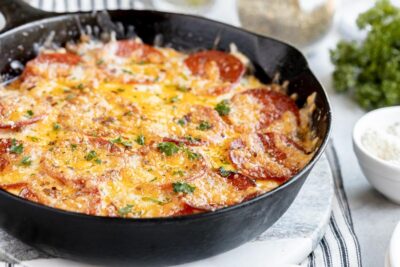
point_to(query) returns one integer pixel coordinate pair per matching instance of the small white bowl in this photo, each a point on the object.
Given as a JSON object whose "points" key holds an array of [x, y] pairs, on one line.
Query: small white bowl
{"points": [[392, 256], [382, 175]]}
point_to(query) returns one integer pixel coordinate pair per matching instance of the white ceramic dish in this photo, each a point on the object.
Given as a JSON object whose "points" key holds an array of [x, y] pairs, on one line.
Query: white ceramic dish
{"points": [[382, 175], [393, 256]]}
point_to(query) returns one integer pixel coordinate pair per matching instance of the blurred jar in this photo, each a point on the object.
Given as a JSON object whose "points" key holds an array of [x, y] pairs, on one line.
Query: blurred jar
{"points": [[299, 22], [184, 6]]}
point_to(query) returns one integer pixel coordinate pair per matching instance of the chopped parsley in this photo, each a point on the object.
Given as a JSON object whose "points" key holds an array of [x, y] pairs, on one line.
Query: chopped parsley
{"points": [[224, 172], [182, 122], [180, 187], [16, 148], [80, 86], [223, 108], [97, 160], [29, 113], [204, 126], [140, 140], [91, 155], [73, 146], [121, 141], [33, 138], [70, 97], [182, 89], [179, 172], [56, 126], [168, 148], [99, 62], [26, 161], [125, 210], [174, 99], [192, 155], [154, 200], [127, 71], [192, 140]]}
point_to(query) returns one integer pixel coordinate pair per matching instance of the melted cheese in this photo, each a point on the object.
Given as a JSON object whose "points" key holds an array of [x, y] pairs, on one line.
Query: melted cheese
{"points": [[86, 152]]}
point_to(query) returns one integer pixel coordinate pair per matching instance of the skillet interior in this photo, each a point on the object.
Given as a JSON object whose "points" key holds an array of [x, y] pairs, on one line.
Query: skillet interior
{"points": [[169, 240]]}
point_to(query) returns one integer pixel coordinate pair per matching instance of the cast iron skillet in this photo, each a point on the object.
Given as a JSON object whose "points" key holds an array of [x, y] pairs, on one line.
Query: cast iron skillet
{"points": [[156, 241]]}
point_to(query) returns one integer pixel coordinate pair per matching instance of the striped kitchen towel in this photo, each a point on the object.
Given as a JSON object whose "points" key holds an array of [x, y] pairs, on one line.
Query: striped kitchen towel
{"points": [[339, 247]]}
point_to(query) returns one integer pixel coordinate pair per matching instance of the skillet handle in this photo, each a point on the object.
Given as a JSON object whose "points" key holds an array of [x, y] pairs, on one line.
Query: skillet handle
{"points": [[17, 12]]}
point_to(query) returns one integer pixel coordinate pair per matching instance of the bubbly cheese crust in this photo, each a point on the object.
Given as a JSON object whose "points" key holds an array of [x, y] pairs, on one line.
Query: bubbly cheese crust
{"points": [[130, 130]]}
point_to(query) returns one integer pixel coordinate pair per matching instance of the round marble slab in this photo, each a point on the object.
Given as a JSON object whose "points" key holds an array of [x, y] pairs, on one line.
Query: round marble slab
{"points": [[289, 241]]}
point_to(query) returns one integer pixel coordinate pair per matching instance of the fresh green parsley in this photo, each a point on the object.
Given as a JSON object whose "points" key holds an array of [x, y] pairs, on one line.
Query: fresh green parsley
{"points": [[182, 89], [29, 113], [174, 99], [73, 146], [154, 200], [192, 155], [224, 172], [182, 122], [140, 140], [121, 141], [204, 126], [168, 148], [56, 126], [179, 172], [180, 187], [223, 108], [91, 155], [125, 210], [26, 161], [16, 148]]}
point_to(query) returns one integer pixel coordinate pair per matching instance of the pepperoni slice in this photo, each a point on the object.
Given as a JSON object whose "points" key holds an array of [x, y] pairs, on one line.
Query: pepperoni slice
{"points": [[141, 52], [187, 210], [240, 181], [205, 123], [80, 163], [213, 192], [62, 63], [20, 124], [252, 158], [230, 68], [285, 150], [255, 109], [13, 186], [27, 193], [60, 58]]}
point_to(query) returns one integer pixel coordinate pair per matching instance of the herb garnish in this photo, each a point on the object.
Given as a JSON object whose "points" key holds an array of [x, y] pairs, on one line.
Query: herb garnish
{"points": [[125, 210], [174, 99], [154, 200], [16, 149], [223, 108], [26, 161], [182, 122], [29, 113], [56, 126], [168, 148], [140, 140], [119, 140], [204, 125], [91, 155], [224, 172], [180, 187], [182, 89]]}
